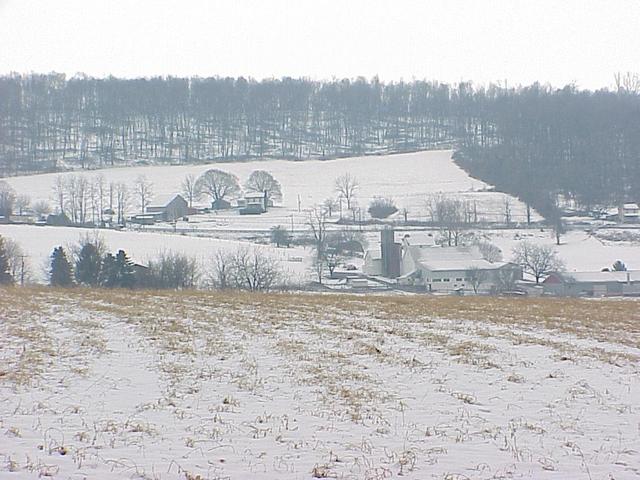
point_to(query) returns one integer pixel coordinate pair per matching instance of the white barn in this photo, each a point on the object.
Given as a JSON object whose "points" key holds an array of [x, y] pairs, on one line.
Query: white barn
{"points": [[419, 262]]}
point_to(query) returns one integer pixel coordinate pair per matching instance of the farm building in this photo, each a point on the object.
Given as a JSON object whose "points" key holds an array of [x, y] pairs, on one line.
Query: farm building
{"points": [[255, 203], [417, 261], [169, 207], [220, 204], [626, 213], [593, 284], [392, 243], [372, 262]]}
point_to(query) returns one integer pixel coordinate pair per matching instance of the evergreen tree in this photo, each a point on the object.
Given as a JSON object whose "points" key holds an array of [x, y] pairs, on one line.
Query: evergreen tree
{"points": [[124, 268], [109, 272], [88, 265], [61, 274], [619, 266], [5, 275]]}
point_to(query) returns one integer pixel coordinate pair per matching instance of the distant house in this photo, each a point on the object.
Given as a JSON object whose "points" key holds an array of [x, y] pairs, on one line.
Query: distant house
{"points": [[417, 261], [58, 220], [625, 213], [255, 203], [169, 207], [630, 213], [220, 204], [593, 284]]}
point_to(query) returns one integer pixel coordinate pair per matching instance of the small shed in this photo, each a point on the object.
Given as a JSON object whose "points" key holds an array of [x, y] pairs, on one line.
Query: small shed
{"points": [[58, 220], [220, 204]]}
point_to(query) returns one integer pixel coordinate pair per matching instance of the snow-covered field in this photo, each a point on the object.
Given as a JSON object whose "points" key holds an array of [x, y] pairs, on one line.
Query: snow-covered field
{"points": [[579, 250], [39, 242], [408, 178], [110, 385]]}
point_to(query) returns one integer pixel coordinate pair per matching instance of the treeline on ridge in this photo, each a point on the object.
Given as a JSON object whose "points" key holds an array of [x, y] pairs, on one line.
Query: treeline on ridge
{"points": [[536, 142]]}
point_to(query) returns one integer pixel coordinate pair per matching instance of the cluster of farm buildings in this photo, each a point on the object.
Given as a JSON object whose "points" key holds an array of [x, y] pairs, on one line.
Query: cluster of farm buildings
{"points": [[169, 208], [415, 260]]}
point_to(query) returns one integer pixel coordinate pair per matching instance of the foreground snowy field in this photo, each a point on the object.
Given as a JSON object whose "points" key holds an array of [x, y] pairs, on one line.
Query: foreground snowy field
{"points": [[108, 385], [408, 178]]}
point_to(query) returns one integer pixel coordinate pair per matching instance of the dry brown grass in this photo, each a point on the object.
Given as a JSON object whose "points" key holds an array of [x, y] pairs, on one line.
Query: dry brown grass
{"points": [[604, 319], [615, 321]]}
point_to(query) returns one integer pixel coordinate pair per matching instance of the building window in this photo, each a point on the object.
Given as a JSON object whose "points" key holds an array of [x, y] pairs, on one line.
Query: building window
{"points": [[436, 280]]}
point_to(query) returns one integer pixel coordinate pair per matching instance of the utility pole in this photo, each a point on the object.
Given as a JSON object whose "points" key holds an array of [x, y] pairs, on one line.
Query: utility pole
{"points": [[299, 204], [292, 224]]}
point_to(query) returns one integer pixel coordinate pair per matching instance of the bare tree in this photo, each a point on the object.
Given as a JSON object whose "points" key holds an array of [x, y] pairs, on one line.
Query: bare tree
{"points": [[59, 193], [245, 269], [173, 270], [75, 196], [41, 208], [254, 270], [190, 188], [263, 182], [280, 236], [317, 223], [18, 266], [7, 199], [506, 279], [627, 82], [537, 260], [100, 189], [332, 258], [489, 251], [220, 275], [346, 185], [331, 205], [122, 201], [507, 210], [143, 188], [477, 277], [448, 214], [22, 203], [218, 184]]}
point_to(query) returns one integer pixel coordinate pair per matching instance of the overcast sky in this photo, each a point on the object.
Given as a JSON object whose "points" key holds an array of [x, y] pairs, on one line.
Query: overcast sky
{"points": [[552, 41]]}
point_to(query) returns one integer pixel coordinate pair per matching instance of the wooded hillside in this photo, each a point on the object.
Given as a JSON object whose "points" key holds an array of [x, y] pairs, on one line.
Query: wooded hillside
{"points": [[536, 142]]}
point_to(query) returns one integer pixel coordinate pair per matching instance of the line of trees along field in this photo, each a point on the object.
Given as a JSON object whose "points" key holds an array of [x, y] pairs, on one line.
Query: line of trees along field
{"points": [[536, 142]]}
